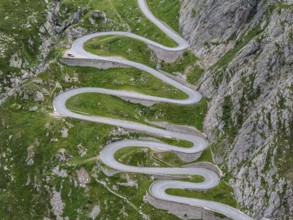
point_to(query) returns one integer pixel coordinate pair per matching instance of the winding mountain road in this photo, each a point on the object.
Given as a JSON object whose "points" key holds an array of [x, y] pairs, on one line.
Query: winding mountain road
{"points": [[158, 188]]}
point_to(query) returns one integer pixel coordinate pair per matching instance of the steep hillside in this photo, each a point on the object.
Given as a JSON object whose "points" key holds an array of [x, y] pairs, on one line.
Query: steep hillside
{"points": [[28, 33], [20, 41], [246, 49], [50, 165]]}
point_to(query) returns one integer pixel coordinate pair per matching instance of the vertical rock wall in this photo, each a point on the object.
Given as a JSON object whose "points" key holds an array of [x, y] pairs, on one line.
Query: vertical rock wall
{"points": [[247, 49]]}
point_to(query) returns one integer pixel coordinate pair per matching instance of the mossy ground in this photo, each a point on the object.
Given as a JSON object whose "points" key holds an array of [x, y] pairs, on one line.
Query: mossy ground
{"points": [[166, 11], [18, 26], [221, 193], [127, 12], [138, 51]]}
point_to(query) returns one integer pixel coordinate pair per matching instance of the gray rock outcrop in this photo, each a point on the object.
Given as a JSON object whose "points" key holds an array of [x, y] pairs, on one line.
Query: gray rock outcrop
{"points": [[55, 25], [83, 177], [211, 36], [247, 50]]}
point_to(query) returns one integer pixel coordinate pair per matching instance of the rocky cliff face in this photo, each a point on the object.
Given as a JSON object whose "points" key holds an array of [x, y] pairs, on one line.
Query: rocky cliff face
{"points": [[247, 50], [21, 59]]}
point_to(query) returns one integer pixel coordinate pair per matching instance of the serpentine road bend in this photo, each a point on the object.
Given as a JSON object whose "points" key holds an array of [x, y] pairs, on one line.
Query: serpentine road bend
{"points": [[158, 188]]}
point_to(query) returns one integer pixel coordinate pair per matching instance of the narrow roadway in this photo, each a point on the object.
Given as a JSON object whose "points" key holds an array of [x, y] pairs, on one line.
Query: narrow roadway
{"points": [[158, 188]]}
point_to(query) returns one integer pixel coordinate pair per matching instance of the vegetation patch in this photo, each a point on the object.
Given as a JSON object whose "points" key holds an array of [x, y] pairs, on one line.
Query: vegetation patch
{"points": [[42, 152], [95, 104], [125, 47], [181, 64], [128, 12], [222, 193], [19, 29], [194, 74], [166, 11]]}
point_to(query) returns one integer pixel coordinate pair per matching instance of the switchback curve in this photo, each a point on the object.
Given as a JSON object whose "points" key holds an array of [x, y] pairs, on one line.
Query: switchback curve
{"points": [[158, 188]]}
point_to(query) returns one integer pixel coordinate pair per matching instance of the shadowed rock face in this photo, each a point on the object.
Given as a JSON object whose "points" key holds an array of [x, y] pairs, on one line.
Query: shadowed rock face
{"points": [[250, 118], [206, 32]]}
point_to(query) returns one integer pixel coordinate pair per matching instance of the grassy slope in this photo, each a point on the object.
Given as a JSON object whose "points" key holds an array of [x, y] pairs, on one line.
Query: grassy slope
{"points": [[128, 48], [221, 193], [126, 79], [19, 25], [20, 128], [166, 11], [132, 50], [128, 13], [114, 107], [25, 128]]}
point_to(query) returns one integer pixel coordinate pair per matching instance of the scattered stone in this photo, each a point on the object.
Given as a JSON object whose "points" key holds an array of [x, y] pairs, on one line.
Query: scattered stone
{"points": [[98, 17], [25, 74], [15, 61], [39, 82], [39, 97], [45, 91], [95, 212], [81, 150], [119, 132], [34, 109], [54, 140], [82, 177], [130, 182], [30, 156], [57, 204], [63, 155], [61, 173], [256, 87], [64, 132], [108, 172]]}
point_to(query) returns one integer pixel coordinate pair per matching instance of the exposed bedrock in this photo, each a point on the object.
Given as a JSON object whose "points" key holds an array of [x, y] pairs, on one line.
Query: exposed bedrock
{"points": [[246, 47], [207, 33]]}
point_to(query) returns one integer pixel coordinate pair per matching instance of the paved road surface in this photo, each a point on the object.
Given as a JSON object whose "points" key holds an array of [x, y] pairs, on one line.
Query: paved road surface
{"points": [[158, 188]]}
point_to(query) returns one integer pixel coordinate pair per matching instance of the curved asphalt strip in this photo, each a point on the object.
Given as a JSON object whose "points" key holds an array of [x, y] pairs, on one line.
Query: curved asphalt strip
{"points": [[158, 188]]}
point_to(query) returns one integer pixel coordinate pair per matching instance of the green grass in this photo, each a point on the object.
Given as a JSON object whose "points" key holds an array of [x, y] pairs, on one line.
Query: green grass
{"points": [[128, 13], [132, 50], [222, 193], [206, 156], [176, 142], [25, 190], [192, 115], [95, 104], [19, 26], [122, 13], [194, 74], [167, 11], [133, 156], [138, 51], [122, 79], [25, 127], [144, 157], [135, 196], [187, 60], [128, 48]]}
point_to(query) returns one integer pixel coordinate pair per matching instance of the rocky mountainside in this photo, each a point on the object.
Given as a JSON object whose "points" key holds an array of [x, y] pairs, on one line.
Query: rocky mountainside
{"points": [[49, 165], [247, 50], [27, 42]]}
